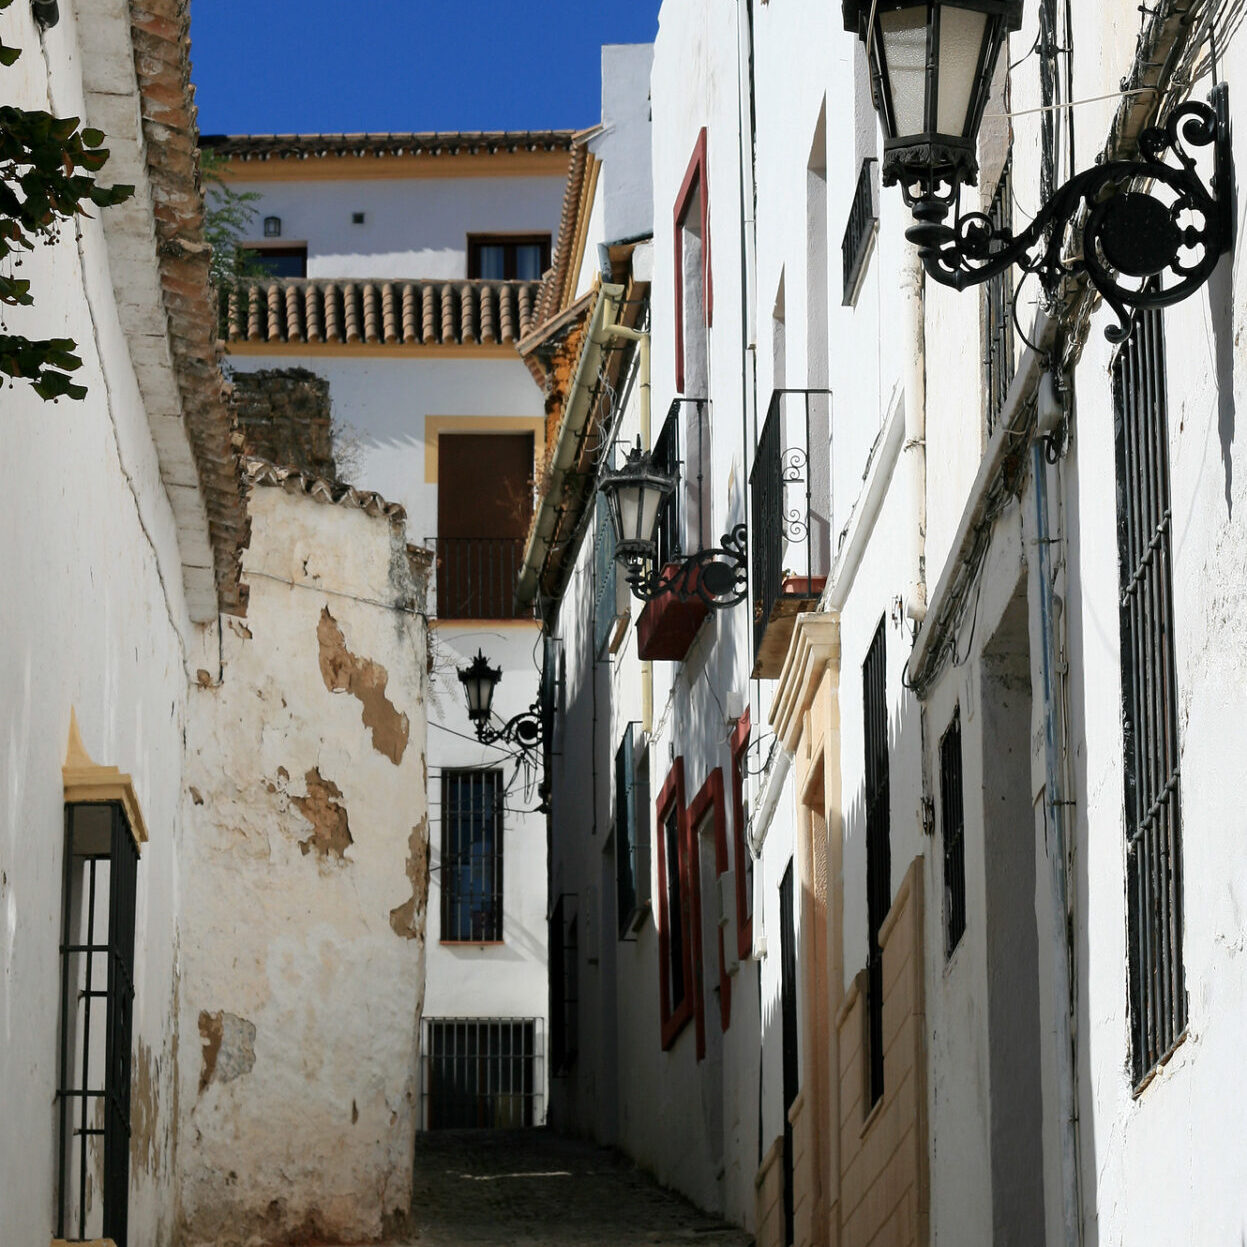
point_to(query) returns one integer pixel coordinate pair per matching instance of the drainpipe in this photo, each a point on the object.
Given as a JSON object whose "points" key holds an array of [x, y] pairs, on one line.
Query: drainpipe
{"points": [[642, 338], [913, 338], [1054, 818]]}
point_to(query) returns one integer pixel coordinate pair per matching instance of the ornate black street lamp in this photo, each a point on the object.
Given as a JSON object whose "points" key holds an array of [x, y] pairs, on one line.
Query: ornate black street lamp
{"points": [[1138, 223], [479, 680], [635, 494]]}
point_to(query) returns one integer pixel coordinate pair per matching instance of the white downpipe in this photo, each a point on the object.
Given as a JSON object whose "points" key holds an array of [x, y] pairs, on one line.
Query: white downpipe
{"points": [[641, 337], [913, 340], [1054, 791]]}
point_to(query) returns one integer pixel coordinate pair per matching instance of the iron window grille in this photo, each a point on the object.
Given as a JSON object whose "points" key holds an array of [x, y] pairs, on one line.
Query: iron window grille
{"points": [[97, 1004], [878, 846], [564, 963], [860, 230], [472, 857], [1158, 1004], [952, 819], [790, 493], [740, 824], [788, 1034], [673, 913], [483, 1073], [998, 330], [632, 861]]}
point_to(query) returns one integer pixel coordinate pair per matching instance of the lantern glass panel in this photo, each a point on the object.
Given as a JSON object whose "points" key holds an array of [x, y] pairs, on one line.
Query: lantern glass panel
{"points": [[904, 36], [962, 32], [628, 505], [649, 513]]}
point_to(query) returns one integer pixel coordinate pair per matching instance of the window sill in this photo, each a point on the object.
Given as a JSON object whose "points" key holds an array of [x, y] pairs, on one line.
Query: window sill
{"points": [[472, 943], [675, 1025]]}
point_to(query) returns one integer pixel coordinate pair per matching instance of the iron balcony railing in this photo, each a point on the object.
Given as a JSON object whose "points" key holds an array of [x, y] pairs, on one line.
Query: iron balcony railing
{"points": [[477, 576], [681, 449], [863, 217], [791, 499]]}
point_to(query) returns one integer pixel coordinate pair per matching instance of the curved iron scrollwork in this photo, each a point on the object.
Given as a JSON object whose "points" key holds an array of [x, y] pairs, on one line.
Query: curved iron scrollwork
{"points": [[1131, 230], [524, 731], [717, 576], [795, 527], [792, 465]]}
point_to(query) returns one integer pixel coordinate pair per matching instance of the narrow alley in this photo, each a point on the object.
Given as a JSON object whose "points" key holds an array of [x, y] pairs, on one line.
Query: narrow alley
{"points": [[536, 1189]]}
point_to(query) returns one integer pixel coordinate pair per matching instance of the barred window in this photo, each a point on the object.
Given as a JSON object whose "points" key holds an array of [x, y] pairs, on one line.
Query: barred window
{"points": [[631, 832], [878, 844], [605, 580], [952, 819], [1149, 698], [482, 1073], [472, 856], [97, 1003], [998, 365]]}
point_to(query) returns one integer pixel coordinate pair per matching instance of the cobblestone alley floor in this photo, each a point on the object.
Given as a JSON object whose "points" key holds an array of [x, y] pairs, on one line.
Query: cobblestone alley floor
{"points": [[534, 1189]]}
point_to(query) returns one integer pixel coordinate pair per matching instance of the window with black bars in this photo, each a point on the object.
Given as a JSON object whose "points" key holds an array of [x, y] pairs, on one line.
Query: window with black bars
{"points": [[472, 856], [952, 820], [631, 831], [564, 954], [97, 1004], [673, 913], [878, 846], [1149, 698], [482, 1073], [998, 331], [605, 579]]}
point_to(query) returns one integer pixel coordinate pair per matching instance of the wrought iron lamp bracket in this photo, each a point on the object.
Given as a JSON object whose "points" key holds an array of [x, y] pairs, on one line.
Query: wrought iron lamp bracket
{"points": [[524, 731], [716, 576], [1128, 228]]}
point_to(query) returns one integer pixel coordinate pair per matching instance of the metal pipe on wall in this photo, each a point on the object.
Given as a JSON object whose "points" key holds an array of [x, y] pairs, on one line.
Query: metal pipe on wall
{"points": [[914, 450]]}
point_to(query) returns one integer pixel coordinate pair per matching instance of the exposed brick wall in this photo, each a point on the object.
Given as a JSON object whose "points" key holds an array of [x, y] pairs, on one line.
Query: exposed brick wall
{"points": [[283, 416], [883, 1183]]}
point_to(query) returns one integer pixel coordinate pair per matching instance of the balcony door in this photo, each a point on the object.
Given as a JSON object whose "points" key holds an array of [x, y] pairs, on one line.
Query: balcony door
{"points": [[484, 506]]}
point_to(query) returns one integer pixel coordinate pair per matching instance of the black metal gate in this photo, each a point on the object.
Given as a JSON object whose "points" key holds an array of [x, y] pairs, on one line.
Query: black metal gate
{"points": [[482, 1073]]}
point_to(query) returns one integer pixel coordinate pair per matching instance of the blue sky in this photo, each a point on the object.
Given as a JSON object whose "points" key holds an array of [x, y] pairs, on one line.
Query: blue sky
{"points": [[322, 66]]}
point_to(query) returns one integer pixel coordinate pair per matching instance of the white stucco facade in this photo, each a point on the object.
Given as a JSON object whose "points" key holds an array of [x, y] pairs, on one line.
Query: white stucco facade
{"points": [[1024, 652]]}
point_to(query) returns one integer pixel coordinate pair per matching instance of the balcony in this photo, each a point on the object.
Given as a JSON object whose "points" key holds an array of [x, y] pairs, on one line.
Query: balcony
{"points": [[860, 231], [790, 529], [667, 627], [476, 577]]}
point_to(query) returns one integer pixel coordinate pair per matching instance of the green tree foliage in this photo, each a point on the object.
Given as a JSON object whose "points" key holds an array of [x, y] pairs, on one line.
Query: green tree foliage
{"points": [[228, 213], [46, 168]]}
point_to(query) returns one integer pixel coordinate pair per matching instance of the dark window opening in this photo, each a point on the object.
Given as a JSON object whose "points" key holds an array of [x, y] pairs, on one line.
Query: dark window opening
{"points": [[97, 1003], [740, 825], [878, 846], [281, 261], [788, 1025], [952, 819], [472, 856], [502, 257], [1158, 1007], [564, 955], [482, 1073], [859, 233], [673, 911]]}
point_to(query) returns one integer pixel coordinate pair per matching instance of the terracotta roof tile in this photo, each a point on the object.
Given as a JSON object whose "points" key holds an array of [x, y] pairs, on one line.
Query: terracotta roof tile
{"points": [[321, 489], [160, 30], [381, 312], [265, 147]]}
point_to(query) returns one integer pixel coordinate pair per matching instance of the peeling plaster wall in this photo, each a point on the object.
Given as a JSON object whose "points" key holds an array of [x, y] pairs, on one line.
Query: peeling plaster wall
{"points": [[94, 617], [306, 884]]}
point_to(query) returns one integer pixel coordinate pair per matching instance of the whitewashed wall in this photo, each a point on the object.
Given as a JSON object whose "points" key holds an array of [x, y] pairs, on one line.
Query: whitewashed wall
{"points": [[306, 877], [413, 227], [95, 620]]}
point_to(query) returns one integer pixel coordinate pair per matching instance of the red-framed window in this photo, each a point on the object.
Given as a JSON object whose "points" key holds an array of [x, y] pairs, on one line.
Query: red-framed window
{"points": [[692, 228], [676, 983], [709, 803], [744, 859]]}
